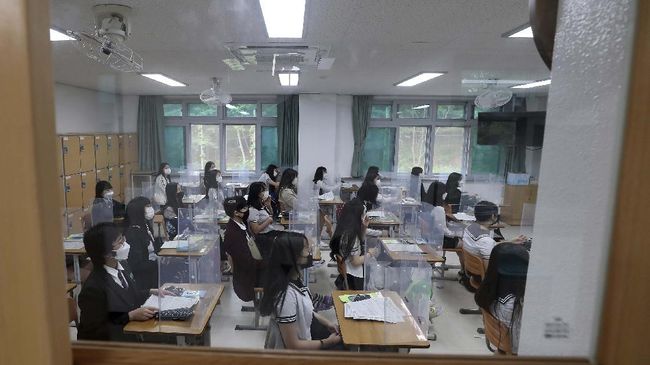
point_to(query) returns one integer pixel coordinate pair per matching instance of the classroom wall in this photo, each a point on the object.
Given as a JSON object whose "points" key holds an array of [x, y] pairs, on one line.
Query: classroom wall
{"points": [[80, 110], [578, 181]]}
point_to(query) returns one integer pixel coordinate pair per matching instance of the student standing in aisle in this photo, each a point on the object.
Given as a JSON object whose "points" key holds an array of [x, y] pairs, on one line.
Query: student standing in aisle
{"points": [[369, 190], [212, 181], [320, 183], [453, 191], [170, 210], [139, 233], [162, 179], [288, 189], [294, 324]]}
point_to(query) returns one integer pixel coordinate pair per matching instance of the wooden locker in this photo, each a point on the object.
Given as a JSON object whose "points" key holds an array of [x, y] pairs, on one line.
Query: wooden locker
{"points": [[101, 152], [71, 164], [87, 153], [88, 182], [102, 175], [73, 198], [125, 178], [133, 149], [59, 157], [113, 148], [62, 191], [123, 141], [115, 177]]}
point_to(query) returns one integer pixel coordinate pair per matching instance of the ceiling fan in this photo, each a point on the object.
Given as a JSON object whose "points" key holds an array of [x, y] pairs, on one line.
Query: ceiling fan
{"points": [[214, 95], [106, 43], [492, 97]]}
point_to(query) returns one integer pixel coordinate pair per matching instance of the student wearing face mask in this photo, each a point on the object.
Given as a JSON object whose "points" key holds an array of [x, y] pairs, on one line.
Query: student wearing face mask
{"points": [[110, 297], [294, 324], [288, 190], [260, 217], [212, 181], [105, 208], [452, 188], [170, 211], [160, 184], [320, 183], [369, 190], [271, 177], [139, 234]]}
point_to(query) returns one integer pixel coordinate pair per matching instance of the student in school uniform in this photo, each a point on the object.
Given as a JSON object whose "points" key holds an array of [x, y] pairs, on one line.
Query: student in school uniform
{"points": [[320, 183], [288, 189], [212, 181], [452, 188], [369, 190], [260, 217], [110, 297], [162, 179], [347, 242], [294, 324], [170, 210], [372, 170], [270, 177], [105, 208], [139, 233], [416, 188]]}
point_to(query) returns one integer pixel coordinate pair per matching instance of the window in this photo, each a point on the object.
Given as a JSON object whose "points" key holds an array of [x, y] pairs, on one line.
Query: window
{"points": [[269, 146], [412, 148], [240, 147], [270, 110], [204, 145], [173, 110], [413, 111], [201, 110], [175, 146], [448, 149], [381, 111], [379, 149], [241, 110], [450, 111]]}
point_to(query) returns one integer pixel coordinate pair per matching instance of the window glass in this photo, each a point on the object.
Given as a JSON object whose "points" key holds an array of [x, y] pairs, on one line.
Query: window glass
{"points": [[175, 146], [379, 149], [204, 145], [240, 147], [448, 149], [173, 110], [413, 111], [381, 111], [412, 148], [241, 110], [269, 146], [201, 110], [270, 110], [450, 111]]}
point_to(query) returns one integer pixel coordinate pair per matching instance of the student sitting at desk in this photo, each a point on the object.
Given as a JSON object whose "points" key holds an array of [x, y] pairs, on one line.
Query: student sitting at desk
{"points": [[288, 189], [502, 291], [260, 217], [139, 234], [372, 170], [110, 297], [105, 209], [170, 211], [162, 179], [347, 242], [212, 180], [478, 237], [294, 324], [320, 178], [270, 178], [452, 189], [369, 190]]}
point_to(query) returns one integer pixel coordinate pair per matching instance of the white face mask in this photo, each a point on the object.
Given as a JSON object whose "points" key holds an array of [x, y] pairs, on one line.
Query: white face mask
{"points": [[219, 179], [213, 168], [444, 196], [295, 181], [108, 195], [123, 252], [265, 195], [325, 176], [378, 182], [275, 174], [167, 171], [148, 213]]}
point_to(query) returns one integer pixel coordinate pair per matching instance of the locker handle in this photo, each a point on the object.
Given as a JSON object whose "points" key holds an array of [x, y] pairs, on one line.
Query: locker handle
{"points": [[83, 184], [82, 148], [67, 188], [65, 149]]}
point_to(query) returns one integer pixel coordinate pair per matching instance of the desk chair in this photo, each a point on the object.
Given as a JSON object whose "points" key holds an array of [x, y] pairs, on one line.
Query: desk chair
{"points": [[444, 265], [497, 334], [256, 326], [159, 221], [475, 268]]}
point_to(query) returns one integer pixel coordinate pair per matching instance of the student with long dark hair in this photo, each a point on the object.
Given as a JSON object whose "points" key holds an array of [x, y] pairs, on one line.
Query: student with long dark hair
{"points": [[162, 179], [139, 233], [260, 217], [416, 188], [270, 177], [372, 170], [369, 190], [293, 324], [452, 188], [288, 189], [502, 290], [212, 182], [347, 242], [170, 211], [320, 183], [105, 208]]}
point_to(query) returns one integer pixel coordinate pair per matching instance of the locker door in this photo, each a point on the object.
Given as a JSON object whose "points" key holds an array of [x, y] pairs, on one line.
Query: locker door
{"points": [[133, 149], [123, 148], [113, 147], [71, 156], [62, 191], [59, 157], [101, 152], [73, 198], [87, 188], [116, 180], [87, 152], [102, 175]]}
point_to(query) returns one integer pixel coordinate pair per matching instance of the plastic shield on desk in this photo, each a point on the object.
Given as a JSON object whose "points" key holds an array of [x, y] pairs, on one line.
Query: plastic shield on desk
{"points": [[190, 181], [433, 223], [304, 219], [101, 210]]}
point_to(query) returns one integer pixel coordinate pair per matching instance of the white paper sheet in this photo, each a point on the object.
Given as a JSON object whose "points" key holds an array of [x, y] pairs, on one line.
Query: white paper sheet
{"points": [[169, 302], [376, 213], [73, 245], [170, 244], [327, 196], [374, 309], [403, 247], [464, 217]]}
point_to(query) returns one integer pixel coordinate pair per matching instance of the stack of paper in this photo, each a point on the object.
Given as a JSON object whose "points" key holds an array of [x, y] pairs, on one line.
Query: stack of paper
{"points": [[171, 244], [464, 217], [403, 247], [376, 214], [380, 309], [170, 302], [74, 242], [327, 196]]}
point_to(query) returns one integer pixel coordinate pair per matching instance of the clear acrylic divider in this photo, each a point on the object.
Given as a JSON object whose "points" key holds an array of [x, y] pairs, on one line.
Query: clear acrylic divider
{"points": [[304, 219], [101, 211]]}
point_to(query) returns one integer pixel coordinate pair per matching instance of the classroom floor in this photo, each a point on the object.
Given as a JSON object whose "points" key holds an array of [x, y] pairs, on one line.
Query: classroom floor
{"points": [[456, 333]]}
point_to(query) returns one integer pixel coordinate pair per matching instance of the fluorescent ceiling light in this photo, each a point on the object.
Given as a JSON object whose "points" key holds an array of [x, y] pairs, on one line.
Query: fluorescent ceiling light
{"points": [[522, 31], [283, 19], [164, 79], [425, 106], [289, 78], [533, 84], [56, 36], [419, 78]]}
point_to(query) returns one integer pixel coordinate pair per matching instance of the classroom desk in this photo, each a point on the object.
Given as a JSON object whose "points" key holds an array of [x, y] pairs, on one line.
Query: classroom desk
{"points": [[194, 327], [193, 199], [360, 333], [193, 256], [76, 253], [390, 221], [329, 207], [428, 254]]}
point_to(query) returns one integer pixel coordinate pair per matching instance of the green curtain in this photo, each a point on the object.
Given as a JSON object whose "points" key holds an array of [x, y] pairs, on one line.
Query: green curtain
{"points": [[288, 117], [151, 132], [360, 116]]}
